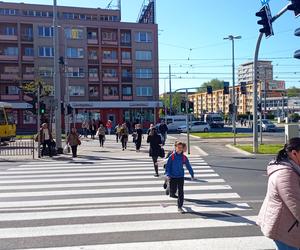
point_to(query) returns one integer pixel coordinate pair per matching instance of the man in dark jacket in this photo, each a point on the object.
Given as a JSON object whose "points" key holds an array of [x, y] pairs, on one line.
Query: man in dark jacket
{"points": [[163, 130]]}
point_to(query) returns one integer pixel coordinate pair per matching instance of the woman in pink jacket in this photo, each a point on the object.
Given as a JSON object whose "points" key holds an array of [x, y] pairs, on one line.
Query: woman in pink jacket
{"points": [[279, 216]]}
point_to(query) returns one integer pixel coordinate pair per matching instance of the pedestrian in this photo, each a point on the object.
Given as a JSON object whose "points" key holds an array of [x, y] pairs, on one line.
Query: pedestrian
{"points": [[175, 173], [46, 139], [155, 149], [118, 131], [139, 137], [93, 128], [150, 128], [73, 140], [124, 133], [101, 135], [279, 216], [109, 126], [85, 126], [163, 130]]}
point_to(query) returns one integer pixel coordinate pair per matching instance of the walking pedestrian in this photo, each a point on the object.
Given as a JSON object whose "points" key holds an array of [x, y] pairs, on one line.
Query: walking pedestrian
{"points": [[175, 173], [73, 140], [93, 128], [101, 135], [46, 139], [139, 137], [155, 150], [124, 136], [85, 127], [118, 132], [150, 128], [279, 216], [163, 130], [109, 126]]}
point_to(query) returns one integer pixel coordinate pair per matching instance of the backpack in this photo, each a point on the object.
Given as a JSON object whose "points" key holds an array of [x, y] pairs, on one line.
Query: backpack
{"points": [[183, 158]]}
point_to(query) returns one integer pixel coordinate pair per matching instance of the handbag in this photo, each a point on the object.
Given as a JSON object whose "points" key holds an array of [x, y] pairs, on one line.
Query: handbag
{"points": [[162, 153], [78, 141]]}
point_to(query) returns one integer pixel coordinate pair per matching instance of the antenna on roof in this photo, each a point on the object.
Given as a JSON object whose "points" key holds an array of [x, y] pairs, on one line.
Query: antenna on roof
{"points": [[109, 5]]}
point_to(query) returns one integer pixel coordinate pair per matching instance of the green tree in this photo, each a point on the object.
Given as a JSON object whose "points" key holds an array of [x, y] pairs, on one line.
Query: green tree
{"points": [[293, 92], [215, 83], [176, 102]]}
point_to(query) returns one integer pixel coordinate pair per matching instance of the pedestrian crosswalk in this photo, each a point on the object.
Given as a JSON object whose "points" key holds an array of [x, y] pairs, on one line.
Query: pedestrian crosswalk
{"points": [[118, 204]]}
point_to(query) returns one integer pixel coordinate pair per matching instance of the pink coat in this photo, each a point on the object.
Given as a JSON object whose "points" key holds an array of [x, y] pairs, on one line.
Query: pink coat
{"points": [[279, 216]]}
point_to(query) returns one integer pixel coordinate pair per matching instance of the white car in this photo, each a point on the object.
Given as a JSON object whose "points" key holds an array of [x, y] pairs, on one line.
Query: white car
{"points": [[195, 126]]}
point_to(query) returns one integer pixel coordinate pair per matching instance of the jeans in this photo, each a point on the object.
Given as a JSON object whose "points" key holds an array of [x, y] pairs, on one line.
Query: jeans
{"points": [[47, 143], [101, 140], [177, 184], [164, 138], [124, 140], [282, 246], [74, 150]]}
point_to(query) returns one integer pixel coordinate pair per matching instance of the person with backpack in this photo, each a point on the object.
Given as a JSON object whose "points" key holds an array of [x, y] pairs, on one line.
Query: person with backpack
{"points": [[175, 173], [118, 131], [279, 217], [155, 149]]}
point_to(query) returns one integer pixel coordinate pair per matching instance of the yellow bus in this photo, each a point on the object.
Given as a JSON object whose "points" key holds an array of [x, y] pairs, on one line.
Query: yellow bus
{"points": [[8, 128]]}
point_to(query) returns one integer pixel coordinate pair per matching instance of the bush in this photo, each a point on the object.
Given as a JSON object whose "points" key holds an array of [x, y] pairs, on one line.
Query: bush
{"points": [[295, 117]]}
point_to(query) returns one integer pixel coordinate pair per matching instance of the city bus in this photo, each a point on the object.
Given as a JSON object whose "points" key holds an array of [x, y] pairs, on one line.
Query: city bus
{"points": [[7, 123]]}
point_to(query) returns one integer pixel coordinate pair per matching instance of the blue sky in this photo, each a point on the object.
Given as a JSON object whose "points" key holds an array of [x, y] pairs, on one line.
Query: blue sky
{"points": [[192, 32]]}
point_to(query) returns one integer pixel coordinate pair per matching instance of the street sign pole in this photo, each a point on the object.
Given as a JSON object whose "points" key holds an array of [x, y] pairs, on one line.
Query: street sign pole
{"points": [[38, 119], [187, 121]]}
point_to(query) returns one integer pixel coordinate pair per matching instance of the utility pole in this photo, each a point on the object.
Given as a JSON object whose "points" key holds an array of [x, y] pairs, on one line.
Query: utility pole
{"points": [[187, 121], [38, 118], [56, 80], [170, 88], [232, 38]]}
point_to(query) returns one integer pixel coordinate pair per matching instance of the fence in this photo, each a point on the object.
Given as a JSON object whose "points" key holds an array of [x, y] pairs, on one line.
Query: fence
{"points": [[23, 147]]}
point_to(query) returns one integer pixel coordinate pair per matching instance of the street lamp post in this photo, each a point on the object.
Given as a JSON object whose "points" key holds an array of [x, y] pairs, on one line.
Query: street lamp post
{"points": [[232, 38]]}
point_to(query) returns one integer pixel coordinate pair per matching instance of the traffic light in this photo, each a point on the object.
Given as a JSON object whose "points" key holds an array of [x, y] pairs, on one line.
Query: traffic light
{"points": [[243, 88], [42, 108], [191, 107], [259, 109], [183, 107], [266, 20], [209, 90], [62, 108], [61, 60], [70, 109], [226, 88], [297, 52], [295, 6]]}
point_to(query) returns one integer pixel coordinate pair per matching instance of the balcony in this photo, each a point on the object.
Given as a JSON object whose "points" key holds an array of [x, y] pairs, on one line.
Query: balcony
{"points": [[28, 58], [28, 77], [127, 97], [93, 79], [8, 58], [126, 61], [109, 42], [125, 44], [127, 79], [8, 38], [110, 79], [93, 41], [27, 38], [111, 98], [9, 76], [10, 97], [93, 61], [110, 61]]}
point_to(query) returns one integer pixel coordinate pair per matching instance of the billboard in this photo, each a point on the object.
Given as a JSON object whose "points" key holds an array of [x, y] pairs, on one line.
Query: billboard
{"points": [[276, 85]]}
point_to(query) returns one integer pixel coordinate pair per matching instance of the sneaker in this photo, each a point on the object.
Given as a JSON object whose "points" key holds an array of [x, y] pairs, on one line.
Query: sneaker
{"points": [[156, 175], [180, 210], [174, 196], [167, 191]]}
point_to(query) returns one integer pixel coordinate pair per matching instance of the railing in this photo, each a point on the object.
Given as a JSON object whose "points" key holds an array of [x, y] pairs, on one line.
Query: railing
{"points": [[93, 61], [127, 79], [9, 37], [27, 38], [18, 148]]}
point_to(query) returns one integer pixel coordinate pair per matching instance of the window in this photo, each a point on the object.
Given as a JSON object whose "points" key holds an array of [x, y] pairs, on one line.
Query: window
{"points": [[75, 72], [143, 37], [12, 90], [28, 52], [109, 73], [75, 52], [93, 55], [144, 91], [109, 54], [126, 37], [93, 73], [29, 70], [29, 118], [8, 12], [11, 51], [92, 35], [10, 31], [76, 90], [126, 73], [11, 70], [111, 91], [109, 36], [46, 71], [46, 52], [94, 91], [45, 31], [74, 33], [143, 55], [126, 55], [127, 91], [143, 73]]}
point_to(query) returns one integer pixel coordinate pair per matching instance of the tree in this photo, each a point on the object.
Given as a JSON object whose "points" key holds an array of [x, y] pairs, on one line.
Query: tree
{"points": [[293, 92], [215, 83], [176, 101]]}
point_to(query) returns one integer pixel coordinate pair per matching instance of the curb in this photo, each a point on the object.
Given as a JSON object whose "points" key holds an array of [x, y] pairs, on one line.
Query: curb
{"points": [[239, 150]]}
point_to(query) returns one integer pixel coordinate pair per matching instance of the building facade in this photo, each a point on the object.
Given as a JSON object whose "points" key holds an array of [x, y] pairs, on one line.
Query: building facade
{"points": [[110, 66]]}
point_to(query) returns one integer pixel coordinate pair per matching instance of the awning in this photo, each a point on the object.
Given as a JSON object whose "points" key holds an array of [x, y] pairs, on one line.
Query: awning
{"points": [[107, 105], [20, 105]]}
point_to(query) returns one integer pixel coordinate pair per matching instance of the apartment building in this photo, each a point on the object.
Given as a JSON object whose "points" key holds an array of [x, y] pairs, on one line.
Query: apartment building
{"points": [[219, 103], [111, 66]]}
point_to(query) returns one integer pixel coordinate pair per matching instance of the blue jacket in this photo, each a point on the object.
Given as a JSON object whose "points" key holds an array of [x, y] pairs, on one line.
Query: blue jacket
{"points": [[175, 164]]}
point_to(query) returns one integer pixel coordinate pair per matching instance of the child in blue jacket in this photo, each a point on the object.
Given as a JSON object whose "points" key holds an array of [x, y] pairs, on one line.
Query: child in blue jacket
{"points": [[175, 173]]}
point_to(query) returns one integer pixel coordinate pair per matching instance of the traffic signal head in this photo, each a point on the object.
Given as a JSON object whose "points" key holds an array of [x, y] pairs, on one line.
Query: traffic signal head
{"points": [[191, 107], [209, 90], [70, 109], [259, 109], [226, 88], [295, 6], [243, 88], [42, 108], [183, 107], [297, 53], [266, 20]]}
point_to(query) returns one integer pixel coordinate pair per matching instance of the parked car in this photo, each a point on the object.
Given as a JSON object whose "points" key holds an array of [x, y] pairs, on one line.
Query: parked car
{"points": [[267, 126], [175, 121], [215, 120], [195, 126]]}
